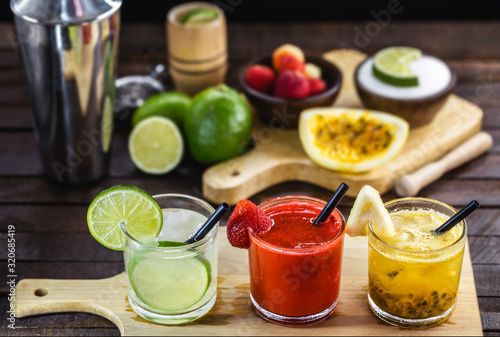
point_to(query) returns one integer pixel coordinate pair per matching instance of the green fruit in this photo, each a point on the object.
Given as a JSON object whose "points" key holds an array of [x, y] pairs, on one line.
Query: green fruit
{"points": [[134, 207], [391, 65], [156, 146], [200, 16], [171, 104], [218, 125], [170, 284]]}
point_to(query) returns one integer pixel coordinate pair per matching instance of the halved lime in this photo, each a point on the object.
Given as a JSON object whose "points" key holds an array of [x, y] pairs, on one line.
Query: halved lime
{"points": [[200, 16], [170, 284], [141, 214], [156, 145], [391, 65]]}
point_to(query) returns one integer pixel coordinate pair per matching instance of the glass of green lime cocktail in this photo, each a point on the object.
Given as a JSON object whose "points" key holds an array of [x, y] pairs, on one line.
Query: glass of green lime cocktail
{"points": [[170, 282]]}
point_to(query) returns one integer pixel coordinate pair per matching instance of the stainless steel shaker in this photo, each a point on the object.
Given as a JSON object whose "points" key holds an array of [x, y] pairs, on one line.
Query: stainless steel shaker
{"points": [[69, 52]]}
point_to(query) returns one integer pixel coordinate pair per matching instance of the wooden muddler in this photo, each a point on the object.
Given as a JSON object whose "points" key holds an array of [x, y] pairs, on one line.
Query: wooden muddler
{"points": [[410, 184]]}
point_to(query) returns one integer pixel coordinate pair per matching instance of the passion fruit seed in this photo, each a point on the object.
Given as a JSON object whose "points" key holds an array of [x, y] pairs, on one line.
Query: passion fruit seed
{"points": [[411, 305]]}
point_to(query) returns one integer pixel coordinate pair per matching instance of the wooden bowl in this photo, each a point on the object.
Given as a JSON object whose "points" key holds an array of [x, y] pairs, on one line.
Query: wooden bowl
{"points": [[283, 113], [416, 112]]}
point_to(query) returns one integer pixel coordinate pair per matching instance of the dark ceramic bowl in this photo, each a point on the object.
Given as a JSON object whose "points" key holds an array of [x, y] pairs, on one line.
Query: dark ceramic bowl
{"points": [[416, 112], [279, 112]]}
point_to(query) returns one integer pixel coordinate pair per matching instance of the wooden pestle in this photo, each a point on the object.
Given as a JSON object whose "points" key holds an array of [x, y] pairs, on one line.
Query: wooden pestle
{"points": [[410, 184]]}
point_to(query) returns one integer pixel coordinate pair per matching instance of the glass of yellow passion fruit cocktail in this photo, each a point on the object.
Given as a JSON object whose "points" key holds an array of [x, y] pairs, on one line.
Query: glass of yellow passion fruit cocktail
{"points": [[414, 274]]}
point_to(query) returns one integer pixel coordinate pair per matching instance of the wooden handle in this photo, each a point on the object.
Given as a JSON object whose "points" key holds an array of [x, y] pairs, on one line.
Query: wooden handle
{"points": [[409, 185], [44, 296]]}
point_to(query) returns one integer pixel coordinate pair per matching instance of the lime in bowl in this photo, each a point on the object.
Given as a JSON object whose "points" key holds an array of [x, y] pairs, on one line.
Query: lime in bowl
{"points": [[168, 281], [405, 82]]}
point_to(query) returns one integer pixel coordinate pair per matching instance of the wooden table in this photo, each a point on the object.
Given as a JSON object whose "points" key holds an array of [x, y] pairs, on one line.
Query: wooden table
{"points": [[52, 240]]}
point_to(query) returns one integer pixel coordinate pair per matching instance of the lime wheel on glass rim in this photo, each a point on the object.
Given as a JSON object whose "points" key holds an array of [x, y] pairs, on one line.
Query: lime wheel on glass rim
{"points": [[126, 204], [161, 282]]}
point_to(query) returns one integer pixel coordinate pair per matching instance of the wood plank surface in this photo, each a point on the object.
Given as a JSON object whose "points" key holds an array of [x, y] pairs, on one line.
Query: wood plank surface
{"points": [[46, 215], [19, 153], [232, 313]]}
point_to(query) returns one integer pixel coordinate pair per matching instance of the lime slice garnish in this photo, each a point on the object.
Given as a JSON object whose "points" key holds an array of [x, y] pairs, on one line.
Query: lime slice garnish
{"points": [[200, 16], [156, 145], [170, 284], [391, 65], [369, 208], [141, 214]]}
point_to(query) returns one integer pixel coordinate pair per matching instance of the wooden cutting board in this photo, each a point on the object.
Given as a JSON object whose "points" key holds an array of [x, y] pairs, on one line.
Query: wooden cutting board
{"points": [[278, 155], [232, 313]]}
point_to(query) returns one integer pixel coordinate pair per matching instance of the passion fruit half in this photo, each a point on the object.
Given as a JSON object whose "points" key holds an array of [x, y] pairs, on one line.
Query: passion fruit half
{"points": [[351, 140]]}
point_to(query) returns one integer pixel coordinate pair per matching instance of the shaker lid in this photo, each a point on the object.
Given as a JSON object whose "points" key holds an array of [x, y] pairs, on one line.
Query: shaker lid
{"points": [[64, 12]]}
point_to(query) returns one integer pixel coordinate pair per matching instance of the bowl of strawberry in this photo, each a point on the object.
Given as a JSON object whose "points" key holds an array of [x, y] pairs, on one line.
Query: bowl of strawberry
{"points": [[280, 86]]}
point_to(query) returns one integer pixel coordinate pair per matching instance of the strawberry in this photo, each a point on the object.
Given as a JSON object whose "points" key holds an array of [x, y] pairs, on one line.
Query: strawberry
{"points": [[291, 84], [316, 85], [260, 78], [246, 215]]}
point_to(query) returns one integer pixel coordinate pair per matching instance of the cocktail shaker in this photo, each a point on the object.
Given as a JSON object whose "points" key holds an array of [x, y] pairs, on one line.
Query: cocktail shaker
{"points": [[69, 50]]}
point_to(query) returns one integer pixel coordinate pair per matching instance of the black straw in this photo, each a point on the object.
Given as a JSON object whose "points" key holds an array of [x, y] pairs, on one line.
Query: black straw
{"points": [[458, 217], [210, 223], [332, 204]]}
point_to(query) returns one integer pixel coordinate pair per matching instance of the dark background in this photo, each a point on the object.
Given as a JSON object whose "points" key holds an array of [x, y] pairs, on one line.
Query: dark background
{"points": [[310, 10]]}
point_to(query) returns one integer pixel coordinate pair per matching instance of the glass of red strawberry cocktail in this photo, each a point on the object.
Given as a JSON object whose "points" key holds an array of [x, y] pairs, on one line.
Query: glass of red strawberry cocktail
{"points": [[295, 266]]}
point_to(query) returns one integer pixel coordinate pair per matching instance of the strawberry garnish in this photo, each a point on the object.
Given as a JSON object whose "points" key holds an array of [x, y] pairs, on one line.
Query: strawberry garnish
{"points": [[246, 215]]}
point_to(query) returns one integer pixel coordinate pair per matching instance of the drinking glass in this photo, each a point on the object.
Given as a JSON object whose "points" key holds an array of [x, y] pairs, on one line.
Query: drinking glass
{"points": [[414, 289], [155, 272], [291, 286]]}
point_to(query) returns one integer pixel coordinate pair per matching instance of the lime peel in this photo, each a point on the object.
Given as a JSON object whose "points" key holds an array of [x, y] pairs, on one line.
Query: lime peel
{"points": [[170, 104]]}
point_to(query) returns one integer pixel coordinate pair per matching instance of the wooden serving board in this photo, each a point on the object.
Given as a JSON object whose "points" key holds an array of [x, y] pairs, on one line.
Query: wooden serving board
{"points": [[232, 313], [278, 155]]}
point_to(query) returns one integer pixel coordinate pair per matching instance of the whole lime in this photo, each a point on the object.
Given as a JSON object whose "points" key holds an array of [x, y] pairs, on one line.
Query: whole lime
{"points": [[218, 125], [170, 104]]}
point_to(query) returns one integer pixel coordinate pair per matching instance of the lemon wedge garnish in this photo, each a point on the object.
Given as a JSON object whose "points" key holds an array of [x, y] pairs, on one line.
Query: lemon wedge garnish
{"points": [[369, 208]]}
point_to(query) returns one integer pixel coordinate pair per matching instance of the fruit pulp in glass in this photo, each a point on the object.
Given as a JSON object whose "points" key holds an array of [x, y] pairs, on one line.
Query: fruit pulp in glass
{"points": [[415, 273]]}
